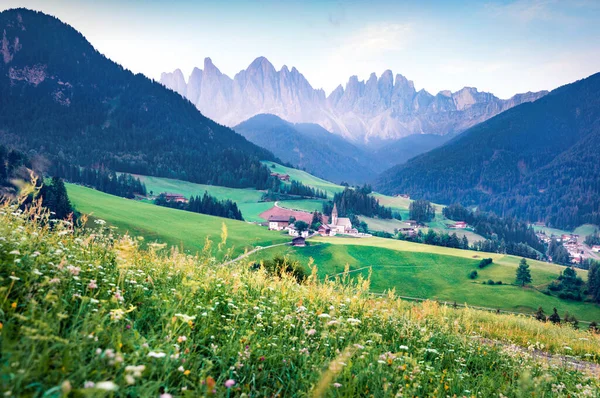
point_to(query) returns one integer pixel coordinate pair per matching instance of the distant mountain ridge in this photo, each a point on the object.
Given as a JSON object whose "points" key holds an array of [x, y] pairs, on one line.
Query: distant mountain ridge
{"points": [[365, 112], [61, 98], [311, 147], [539, 161]]}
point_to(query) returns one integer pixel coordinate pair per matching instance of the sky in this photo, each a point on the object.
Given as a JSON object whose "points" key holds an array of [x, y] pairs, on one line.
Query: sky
{"points": [[504, 47]]}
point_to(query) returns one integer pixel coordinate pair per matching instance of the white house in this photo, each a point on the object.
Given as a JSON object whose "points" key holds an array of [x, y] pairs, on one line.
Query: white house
{"points": [[278, 223]]}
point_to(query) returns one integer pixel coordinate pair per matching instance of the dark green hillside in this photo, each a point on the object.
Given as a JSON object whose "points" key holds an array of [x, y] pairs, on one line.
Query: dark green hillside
{"points": [[310, 147], [538, 161], [62, 98]]}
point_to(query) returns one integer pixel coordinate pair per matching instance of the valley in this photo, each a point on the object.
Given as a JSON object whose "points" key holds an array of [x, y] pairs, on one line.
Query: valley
{"points": [[256, 235]]}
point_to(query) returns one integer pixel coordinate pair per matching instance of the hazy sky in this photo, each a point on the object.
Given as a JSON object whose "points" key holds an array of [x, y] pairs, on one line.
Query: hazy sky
{"points": [[500, 46]]}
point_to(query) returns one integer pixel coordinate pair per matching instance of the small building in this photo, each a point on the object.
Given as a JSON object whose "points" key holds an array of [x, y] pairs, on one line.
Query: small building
{"points": [[459, 225], [324, 230], [278, 223], [299, 241], [174, 197], [412, 223], [596, 248], [282, 177], [403, 195]]}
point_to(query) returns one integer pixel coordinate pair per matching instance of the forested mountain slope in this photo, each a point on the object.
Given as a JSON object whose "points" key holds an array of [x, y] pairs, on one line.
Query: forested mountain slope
{"points": [[62, 98], [311, 147], [538, 161]]}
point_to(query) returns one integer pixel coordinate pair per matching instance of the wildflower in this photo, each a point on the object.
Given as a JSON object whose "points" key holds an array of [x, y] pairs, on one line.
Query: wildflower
{"points": [[337, 385], [153, 354], [166, 395], [73, 270], [187, 372], [181, 339], [54, 281], [311, 332], [14, 278], [353, 321], [92, 284], [324, 315], [186, 318], [99, 221], [15, 252], [116, 314], [181, 369], [229, 383], [107, 386], [89, 384], [66, 387], [403, 347], [13, 305]]}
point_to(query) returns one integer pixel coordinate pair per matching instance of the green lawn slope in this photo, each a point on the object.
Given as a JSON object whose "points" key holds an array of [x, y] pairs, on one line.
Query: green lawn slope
{"points": [[175, 227], [432, 272]]}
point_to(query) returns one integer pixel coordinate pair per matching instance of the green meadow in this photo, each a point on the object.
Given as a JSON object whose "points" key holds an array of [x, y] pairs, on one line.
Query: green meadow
{"points": [[175, 227], [436, 274], [306, 178]]}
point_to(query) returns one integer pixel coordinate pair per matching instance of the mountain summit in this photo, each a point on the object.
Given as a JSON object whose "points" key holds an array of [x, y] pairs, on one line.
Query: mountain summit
{"points": [[371, 111]]}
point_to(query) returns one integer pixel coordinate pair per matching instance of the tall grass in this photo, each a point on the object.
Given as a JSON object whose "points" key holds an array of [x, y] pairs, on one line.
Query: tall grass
{"points": [[89, 313]]}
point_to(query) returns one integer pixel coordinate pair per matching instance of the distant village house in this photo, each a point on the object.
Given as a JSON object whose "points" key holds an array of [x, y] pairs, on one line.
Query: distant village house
{"points": [[459, 225], [174, 197], [282, 177], [299, 241], [278, 223]]}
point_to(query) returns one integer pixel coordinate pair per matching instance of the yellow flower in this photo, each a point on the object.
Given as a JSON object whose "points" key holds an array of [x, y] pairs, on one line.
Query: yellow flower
{"points": [[1, 325], [187, 372], [13, 305]]}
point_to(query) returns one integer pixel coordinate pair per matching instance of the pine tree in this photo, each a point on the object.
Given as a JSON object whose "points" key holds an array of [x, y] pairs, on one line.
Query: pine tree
{"points": [[523, 273]]}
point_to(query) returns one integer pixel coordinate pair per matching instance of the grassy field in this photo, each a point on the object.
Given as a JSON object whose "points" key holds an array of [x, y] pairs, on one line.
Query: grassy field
{"points": [[93, 315], [583, 230], [309, 205], [175, 227], [306, 178], [424, 271]]}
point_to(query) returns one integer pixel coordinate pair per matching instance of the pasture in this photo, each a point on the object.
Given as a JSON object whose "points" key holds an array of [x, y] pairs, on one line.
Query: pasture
{"points": [[175, 227]]}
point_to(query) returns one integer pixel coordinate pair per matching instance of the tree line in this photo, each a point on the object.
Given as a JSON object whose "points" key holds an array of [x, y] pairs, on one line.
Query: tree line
{"points": [[357, 201], [123, 185], [205, 204], [278, 190]]}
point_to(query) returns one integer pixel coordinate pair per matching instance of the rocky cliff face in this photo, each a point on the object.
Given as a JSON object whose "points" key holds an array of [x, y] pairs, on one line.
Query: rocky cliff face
{"points": [[371, 111]]}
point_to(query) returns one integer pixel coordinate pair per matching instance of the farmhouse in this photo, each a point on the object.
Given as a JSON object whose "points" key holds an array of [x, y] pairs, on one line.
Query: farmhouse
{"points": [[324, 230], [340, 225], [282, 177], [278, 223], [174, 197], [403, 195], [596, 248], [459, 225], [412, 223]]}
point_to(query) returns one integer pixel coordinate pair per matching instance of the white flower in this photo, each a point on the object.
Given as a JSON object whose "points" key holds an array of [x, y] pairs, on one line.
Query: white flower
{"points": [[89, 384], [14, 278], [403, 347], [157, 354], [186, 318], [15, 252], [324, 315], [353, 321], [107, 386]]}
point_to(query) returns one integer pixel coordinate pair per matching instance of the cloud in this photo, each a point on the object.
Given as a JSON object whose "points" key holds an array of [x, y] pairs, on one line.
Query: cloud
{"points": [[377, 39], [527, 11]]}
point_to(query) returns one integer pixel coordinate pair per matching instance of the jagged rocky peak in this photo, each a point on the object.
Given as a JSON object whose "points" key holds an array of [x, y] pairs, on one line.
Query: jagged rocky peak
{"points": [[384, 107]]}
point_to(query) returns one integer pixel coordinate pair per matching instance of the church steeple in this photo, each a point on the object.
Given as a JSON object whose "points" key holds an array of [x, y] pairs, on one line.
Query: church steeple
{"points": [[334, 215]]}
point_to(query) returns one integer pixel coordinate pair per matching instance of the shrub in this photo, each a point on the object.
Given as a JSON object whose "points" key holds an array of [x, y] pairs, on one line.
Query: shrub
{"points": [[485, 262], [491, 282], [473, 274]]}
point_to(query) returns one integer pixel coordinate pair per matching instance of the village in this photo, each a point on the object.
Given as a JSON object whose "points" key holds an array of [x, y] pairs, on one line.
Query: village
{"points": [[578, 250]]}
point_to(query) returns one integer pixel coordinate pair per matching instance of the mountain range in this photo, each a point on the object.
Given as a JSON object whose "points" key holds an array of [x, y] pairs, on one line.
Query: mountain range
{"points": [[370, 112], [538, 161], [61, 98]]}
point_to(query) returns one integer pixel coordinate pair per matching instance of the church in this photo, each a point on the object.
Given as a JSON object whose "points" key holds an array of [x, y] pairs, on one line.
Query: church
{"points": [[338, 225]]}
